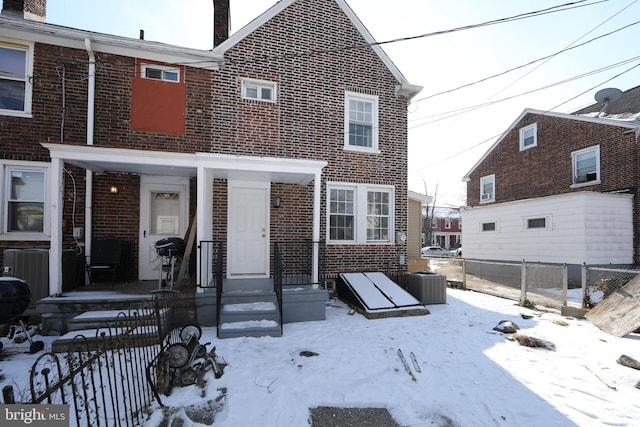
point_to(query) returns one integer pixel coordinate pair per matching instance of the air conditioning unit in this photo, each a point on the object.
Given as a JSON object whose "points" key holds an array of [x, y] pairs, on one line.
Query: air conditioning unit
{"points": [[487, 196], [428, 288], [32, 266]]}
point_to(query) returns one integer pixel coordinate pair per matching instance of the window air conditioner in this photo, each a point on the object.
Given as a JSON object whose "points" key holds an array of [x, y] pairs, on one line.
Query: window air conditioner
{"points": [[486, 196]]}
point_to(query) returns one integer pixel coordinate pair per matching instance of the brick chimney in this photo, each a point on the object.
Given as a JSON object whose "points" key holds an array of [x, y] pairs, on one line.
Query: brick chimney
{"points": [[221, 21], [35, 10]]}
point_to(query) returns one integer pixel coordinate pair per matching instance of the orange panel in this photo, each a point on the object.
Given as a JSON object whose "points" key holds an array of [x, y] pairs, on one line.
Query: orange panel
{"points": [[158, 106]]}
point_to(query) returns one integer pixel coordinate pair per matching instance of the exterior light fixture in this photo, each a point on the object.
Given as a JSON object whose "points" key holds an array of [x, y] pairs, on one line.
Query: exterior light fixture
{"points": [[277, 202], [113, 189]]}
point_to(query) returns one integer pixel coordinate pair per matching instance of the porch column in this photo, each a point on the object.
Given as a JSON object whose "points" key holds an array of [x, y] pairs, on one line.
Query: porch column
{"points": [[316, 224], [204, 219], [56, 192]]}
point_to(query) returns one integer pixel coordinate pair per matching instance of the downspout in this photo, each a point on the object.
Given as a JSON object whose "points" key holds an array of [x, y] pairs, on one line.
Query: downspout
{"points": [[91, 94]]}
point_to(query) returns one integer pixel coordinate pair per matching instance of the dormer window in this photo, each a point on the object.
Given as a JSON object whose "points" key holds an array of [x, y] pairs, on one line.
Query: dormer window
{"points": [[528, 136], [159, 72], [259, 90]]}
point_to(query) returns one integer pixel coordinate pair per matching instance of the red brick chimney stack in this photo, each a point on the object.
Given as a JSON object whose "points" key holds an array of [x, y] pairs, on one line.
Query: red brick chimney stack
{"points": [[35, 10], [221, 21]]}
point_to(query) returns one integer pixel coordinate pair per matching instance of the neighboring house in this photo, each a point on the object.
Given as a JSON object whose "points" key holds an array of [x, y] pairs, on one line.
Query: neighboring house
{"points": [[442, 226], [284, 132], [558, 188], [415, 236]]}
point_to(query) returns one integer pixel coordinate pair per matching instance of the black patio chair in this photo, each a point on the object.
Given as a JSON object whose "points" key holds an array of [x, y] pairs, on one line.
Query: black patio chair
{"points": [[109, 256]]}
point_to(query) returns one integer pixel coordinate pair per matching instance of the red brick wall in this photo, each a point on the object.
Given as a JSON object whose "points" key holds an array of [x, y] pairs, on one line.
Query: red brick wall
{"points": [[306, 122], [547, 170]]}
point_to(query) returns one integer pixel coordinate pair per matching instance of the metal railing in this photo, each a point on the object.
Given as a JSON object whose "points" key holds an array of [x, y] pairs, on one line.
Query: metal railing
{"points": [[278, 267], [105, 378], [298, 258], [211, 264]]}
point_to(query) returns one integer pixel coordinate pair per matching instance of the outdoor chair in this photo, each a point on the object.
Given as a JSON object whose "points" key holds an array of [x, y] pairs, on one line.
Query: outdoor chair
{"points": [[109, 256]]}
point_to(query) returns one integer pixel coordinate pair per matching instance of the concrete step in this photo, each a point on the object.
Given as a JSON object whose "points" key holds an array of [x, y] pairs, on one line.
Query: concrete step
{"points": [[241, 312], [93, 339], [103, 318], [250, 328]]}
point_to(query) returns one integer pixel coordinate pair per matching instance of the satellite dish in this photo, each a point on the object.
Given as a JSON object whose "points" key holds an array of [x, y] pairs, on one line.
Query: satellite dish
{"points": [[606, 96]]}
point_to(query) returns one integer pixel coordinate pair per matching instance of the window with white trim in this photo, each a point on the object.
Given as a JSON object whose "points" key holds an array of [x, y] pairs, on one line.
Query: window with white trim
{"points": [[488, 226], [260, 90], [16, 69], [447, 223], [359, 213], [528, 136], [537, 222], [487, 188], [586, 166], [160, 72], [24, 211], [361, 122]]}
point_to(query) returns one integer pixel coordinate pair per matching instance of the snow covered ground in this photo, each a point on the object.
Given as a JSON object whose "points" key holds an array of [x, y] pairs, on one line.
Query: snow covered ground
{"points": [[470, 374]]}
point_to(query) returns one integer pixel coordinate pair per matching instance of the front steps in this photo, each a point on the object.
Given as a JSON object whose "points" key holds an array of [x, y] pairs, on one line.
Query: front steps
{"points": [[249, 314]]}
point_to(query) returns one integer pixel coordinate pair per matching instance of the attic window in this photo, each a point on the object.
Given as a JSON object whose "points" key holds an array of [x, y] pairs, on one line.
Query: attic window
{"points": [[529, 136], [259, 90], [159, 72]]}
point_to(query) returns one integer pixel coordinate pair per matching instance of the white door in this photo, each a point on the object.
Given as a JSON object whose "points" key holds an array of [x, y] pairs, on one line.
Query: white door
{"points": [[163, 213], [248, 230]]}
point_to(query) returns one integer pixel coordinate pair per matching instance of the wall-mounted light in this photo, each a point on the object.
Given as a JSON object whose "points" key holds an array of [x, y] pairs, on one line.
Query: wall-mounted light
{"points": [[277, 202], [114, 189]]}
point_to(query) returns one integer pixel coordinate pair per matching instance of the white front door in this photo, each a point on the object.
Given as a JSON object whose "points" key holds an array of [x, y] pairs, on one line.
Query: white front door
{"points": [[163, 213], [248, 229]]}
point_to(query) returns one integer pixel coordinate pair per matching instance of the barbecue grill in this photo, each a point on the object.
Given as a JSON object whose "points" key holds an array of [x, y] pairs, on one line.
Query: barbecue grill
{"points": [[171, 250], [15, 297]]}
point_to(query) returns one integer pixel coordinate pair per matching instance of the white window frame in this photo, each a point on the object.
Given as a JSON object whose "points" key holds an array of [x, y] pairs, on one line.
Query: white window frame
{"points": [[26, 47], [162, 68], [447, 224], [488, 197], [495, 225], [6, 168], [574, 166], [523, 131], [526, 226], [259, 86], [360, 212], [373, 99]]}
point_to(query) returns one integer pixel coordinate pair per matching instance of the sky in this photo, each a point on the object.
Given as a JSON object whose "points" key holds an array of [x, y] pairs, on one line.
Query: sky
{"points": [[448, 133], [469, 374]]}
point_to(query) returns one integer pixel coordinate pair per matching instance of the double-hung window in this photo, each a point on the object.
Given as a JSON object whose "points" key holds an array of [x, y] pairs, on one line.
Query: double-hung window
{"points": [[361, 122], [488, 188], [586, 166], [528, 136], [359, 213], [259, 90], [23, 207], [15, 78]]}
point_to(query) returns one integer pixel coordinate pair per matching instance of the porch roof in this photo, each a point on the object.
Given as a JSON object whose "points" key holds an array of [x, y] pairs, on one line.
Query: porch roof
{"points": [[223, 166]]}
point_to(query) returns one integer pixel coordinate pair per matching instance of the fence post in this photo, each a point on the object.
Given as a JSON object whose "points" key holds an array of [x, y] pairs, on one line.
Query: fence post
{"points": [[585, 274], [464, 273], [523, 283], [565, 284]]}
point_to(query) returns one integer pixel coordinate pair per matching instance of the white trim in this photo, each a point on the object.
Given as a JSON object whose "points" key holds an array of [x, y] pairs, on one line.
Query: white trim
{"points": [[28, 48], [360, 212], [373, 100], [488, 197], [526, 219], [523, 130], [574, 154], [246, 83], [161, 68]]}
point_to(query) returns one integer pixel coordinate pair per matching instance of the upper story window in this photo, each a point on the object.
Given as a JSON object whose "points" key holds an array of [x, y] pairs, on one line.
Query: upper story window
{"points": [[259, 89], [528, 136], [16, 69], [359, 213], [23, 207], [447, 223], [586, 166], [160, 72], [361, 122], [488, 188]]}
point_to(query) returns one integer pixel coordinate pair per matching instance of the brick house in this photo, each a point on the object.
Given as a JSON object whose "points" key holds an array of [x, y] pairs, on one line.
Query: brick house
{"points": [[442, 226], [557, 188], [292, 129]]}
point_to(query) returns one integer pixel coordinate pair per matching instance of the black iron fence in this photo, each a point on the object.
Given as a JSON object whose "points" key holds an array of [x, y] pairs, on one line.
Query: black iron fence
{"points": [[297, 261], [107, 379]]}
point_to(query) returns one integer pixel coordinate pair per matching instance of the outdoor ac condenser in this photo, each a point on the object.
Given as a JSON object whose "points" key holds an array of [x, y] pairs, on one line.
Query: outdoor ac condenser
{"points": [[32, 266], [428, 288]]}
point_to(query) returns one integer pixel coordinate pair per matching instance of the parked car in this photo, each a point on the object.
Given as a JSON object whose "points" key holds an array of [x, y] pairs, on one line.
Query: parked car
{"points": [[435, 252]]}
